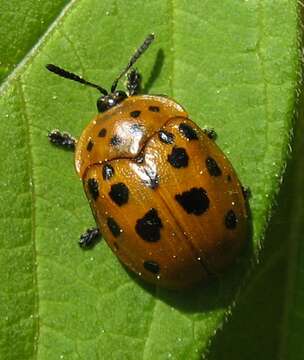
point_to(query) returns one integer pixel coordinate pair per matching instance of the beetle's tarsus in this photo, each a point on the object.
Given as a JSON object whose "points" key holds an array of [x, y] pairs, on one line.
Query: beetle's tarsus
{"points": [[90, 238], [210, 133], [62, 139]]}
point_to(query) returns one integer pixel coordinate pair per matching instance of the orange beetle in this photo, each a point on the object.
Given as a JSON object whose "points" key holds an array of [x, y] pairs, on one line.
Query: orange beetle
{"points": [[164, 196]]}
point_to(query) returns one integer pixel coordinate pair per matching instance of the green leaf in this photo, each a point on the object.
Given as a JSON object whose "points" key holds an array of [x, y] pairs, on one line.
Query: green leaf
{"points": [[234, 66], [22, 24]]}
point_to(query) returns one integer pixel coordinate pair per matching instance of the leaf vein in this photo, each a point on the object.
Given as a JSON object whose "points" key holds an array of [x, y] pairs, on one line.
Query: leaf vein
{"points": [[147, 342], [33, 218]]}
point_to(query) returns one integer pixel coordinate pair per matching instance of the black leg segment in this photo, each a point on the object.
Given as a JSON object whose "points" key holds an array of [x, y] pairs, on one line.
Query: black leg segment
{"points": [[210, 133], [246, 192], [62, 139], [90, 238], [133, 82]]}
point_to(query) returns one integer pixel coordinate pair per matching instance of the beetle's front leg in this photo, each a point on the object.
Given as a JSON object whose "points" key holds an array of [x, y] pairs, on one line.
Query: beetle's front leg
{"points": [[62, 139], [246, 192], [210, 133], [90, 238]]}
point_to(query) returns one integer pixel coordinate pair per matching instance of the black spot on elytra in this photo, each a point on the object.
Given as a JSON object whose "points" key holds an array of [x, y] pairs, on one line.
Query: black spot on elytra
{"points": [[152, 266], [229, 178], [102, 132], [149, 226], [107, 171], [135, 113], [154, 108], [113, 227], [230, 220], [212, 167], [166, 137], [178, 157], [116, 140], [119, 194], [90, 145], [187, 131], [195, 201], [93, 188]]}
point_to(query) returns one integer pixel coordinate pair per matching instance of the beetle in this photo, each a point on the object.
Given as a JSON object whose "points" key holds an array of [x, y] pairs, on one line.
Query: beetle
{"points": [[164, 196]]}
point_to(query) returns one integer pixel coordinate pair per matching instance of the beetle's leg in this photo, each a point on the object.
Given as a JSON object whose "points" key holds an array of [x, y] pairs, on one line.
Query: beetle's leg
{"points": [[210, 133], [62, 139], [133, 82], [90, 238], [246, 192]]}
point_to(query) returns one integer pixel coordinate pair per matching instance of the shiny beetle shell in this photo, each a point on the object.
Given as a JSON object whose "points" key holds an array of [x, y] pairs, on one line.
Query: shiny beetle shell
{"points": [[164, 196]]}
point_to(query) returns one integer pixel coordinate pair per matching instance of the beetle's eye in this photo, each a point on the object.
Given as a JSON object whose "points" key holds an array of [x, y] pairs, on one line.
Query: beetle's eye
{"points": [[120, 95], [102, 104]]}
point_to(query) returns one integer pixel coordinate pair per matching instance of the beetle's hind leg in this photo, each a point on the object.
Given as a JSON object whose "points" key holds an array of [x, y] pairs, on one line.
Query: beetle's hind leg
{"points": [[246, 192], [90, 238], [210, 133], [62, 139], [133, 82]]}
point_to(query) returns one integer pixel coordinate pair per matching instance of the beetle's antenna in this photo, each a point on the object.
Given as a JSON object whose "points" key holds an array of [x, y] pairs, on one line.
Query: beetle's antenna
{"points": [[68, 75], [143, 47]]}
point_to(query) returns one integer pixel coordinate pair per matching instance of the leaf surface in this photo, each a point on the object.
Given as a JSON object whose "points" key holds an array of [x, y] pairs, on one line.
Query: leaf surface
{"points": [[22, 24], [234, 67]]}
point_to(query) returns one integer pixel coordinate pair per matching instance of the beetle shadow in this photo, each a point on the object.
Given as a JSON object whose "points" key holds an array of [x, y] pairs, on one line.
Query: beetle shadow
{"points": [[218, 293], [156, 70]]}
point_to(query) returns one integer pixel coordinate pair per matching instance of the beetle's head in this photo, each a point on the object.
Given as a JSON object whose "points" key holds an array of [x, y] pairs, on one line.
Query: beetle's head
{"points": [[106, 102]]}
